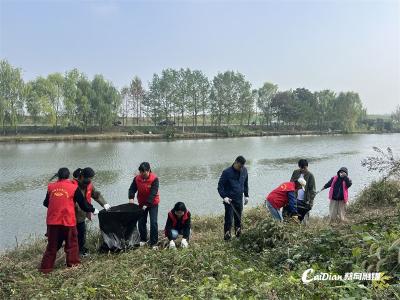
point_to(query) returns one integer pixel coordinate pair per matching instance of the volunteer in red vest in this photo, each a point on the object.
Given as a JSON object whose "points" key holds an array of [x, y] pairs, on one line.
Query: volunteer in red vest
{"points": [[146, 186], [83, 178], [284, 195], [61, 221], [338, 194], [178, 223]]}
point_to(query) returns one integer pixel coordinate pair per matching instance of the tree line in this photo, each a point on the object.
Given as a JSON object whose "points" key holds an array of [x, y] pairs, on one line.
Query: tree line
{"points": [[182, 97]]}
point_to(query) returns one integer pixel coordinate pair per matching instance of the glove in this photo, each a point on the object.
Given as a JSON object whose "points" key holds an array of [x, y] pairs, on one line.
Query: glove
{"points": [[246, 200], [131, 201], [107, 206], [96, 211], [172, 245], [184, 243], [227, 200]]}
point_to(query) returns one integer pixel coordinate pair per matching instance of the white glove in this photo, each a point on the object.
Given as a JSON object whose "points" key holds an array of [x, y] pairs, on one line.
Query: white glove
{"points": [[246, 200], [96, 211], [227, 200], [172, 245], [107, 206], [184, 243]]}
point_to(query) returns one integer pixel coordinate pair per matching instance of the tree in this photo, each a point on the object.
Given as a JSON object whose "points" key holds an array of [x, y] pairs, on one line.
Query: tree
{"points": [[396, 116], [126, 99], [55, 93], [197, 87], [265, 95], [70, 90], [137, 93], [306, 104], [284, 108], [227, 90], [11, 94], [245, 100], [348, 111], [33, 100], [83, 96], [324, 114], [104, 101]]}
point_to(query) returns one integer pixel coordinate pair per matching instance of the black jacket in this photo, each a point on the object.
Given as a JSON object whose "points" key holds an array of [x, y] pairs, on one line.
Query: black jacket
{"points": [[233, 184], [153, 190], [338, 188]]}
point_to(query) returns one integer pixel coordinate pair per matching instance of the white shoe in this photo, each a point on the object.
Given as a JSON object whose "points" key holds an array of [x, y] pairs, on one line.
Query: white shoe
{"points": [[142, 244], [172, 245], [155, 247]]}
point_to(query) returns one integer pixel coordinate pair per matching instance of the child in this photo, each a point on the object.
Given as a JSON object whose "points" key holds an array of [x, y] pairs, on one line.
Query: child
{"points": [[178, 222], [338, 194]]}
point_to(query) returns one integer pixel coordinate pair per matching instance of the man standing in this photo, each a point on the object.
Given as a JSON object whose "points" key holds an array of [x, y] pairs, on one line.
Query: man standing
{"points": [[305, 198], [232, 184]]}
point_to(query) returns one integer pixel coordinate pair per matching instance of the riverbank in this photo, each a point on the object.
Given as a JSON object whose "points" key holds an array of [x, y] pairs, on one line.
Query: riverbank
{"points": [[267, 262], [167, 135]]}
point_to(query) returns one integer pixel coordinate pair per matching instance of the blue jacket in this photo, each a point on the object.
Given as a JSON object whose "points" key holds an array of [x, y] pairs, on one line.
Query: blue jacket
{"points": [[233, 184]]}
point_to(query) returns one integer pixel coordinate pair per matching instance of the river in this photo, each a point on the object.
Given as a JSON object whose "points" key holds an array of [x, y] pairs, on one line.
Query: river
{"points": [[188, 171]]}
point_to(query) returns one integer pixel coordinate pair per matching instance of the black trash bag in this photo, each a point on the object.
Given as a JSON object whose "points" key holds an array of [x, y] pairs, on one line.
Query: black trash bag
{"points": [[118, 227]]}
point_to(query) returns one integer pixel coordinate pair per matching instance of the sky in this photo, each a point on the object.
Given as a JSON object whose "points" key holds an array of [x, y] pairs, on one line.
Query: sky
{"points": [[340, 45]]}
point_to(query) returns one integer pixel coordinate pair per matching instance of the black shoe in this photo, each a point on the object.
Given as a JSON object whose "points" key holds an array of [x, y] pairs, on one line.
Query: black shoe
{"points": [[227, 236], [238, 232]]}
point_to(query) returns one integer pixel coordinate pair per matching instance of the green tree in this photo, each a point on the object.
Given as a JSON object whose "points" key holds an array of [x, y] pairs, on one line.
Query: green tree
{"points": [[197, 89], [325, 114], [83, 96], [348, 111], [306, 104], [227, 90], [105, 101], [137, 92], [265, 95], [11, 94], [33, 101], [284, 108], [55, 92], [70, 90]]}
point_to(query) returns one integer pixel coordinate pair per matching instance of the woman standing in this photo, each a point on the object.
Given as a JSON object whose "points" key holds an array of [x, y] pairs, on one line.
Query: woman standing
{"points": [[146, 186], [61, 221]]}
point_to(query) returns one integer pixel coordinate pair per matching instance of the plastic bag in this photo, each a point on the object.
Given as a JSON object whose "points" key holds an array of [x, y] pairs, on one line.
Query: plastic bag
{"points": [[118, 227]]}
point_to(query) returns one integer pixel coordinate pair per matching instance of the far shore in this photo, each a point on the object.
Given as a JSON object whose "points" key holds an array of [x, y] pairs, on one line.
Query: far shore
{"points": [[123, 136]]}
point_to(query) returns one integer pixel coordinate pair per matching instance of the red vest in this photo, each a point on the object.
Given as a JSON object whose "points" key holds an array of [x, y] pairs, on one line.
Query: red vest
{"points": [[278, 197], [174, 219], [61, 210], [143, 189], [88, 195]]}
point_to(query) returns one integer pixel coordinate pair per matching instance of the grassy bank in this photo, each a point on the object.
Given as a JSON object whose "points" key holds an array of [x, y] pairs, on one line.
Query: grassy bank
{"points": [[265, 263]]}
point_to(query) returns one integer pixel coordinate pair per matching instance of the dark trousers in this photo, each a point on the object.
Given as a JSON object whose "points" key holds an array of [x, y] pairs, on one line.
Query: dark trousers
{"points": [[142, 224], [56, 235], [81, 228], [231, 214]]}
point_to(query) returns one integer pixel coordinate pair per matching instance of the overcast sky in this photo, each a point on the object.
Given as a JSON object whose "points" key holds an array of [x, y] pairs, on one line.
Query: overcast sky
{"points": [[339, 45]]}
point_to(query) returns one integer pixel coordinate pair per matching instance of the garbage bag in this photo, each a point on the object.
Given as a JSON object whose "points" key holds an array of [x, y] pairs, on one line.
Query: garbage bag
{"points": [[118, 227]]}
